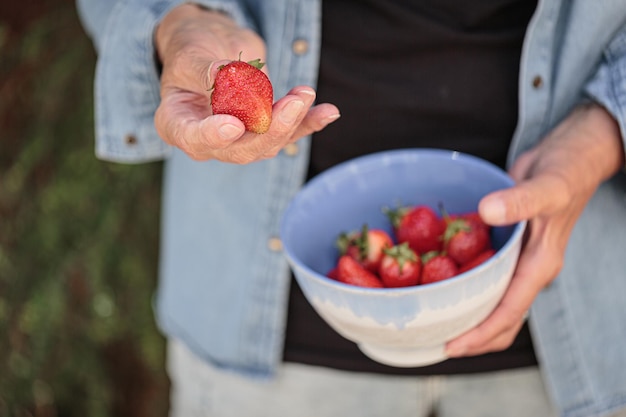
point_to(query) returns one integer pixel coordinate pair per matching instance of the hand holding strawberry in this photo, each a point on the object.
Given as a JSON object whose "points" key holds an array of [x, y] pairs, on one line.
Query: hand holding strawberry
{"points": [[192, 43]]}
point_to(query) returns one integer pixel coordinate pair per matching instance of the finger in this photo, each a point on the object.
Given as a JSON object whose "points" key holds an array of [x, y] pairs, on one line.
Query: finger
{"points": [[211, 72], [523, 165], [501, 325], [269, 144], [317, 118], [314, 120], [543, 194], [498, 343], [496, 333], [288, 113], [182, 124], [189, 71], [536, 268]]}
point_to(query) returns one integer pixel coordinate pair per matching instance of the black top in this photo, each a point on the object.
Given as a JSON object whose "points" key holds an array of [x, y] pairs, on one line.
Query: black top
{"points": [[413, 73]]}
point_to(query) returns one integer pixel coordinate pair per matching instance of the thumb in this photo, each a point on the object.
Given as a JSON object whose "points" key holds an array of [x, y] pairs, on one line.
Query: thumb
{"points": [[539, 195], [212, 70]]}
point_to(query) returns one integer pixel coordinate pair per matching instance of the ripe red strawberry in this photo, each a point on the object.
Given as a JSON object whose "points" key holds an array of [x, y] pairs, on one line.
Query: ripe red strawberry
{"points": [[420, 226], [400, 267], [366, 246], [464, 240], [477, 260], [475, 217], [437, 267], [349, 271], [242, 90], [332, 274], [472, 217]]}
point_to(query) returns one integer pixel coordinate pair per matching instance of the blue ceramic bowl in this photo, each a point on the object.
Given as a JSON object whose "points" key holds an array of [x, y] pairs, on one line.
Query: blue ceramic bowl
{"points": [[397, 326]]}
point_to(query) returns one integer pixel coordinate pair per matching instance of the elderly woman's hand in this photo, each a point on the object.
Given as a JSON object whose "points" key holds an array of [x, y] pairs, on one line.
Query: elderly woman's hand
{"points": [[192, 43]]}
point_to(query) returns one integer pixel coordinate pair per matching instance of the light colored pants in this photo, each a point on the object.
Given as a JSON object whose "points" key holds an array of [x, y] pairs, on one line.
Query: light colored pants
{"points": [[199, 389]]}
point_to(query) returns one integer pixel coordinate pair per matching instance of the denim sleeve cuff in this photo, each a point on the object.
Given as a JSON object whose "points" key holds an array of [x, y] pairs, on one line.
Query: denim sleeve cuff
{"points": [[608, 85], [127, 80]]}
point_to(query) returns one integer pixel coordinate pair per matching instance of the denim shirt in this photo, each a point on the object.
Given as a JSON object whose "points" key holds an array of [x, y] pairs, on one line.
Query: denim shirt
{"points": [[224, 282]]}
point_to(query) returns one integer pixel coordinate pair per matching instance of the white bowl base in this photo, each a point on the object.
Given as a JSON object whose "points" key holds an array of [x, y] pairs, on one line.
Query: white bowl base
{"points": [[405, 358]]}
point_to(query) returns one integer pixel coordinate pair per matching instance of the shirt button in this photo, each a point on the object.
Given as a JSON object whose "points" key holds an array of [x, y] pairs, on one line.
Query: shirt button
{"points": [[291, 149], [537, 82], [275, 244], [130, 140], [300, 46]]}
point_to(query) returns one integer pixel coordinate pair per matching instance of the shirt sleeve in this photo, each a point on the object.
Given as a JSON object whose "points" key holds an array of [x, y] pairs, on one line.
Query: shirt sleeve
{"points": [[608, 85], [93, 15], [126, 87]]}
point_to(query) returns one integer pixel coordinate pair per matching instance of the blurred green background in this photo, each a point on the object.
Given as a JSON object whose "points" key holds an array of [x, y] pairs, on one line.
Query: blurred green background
{"points": [[78, 236]]}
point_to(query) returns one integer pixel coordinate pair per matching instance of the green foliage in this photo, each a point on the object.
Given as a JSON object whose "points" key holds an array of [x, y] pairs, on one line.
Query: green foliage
{"points": [[78, 240]]}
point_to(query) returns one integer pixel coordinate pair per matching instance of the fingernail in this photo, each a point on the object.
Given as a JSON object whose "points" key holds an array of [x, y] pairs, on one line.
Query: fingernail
{"points": [[494, 211], [291, 111], [228, 131], [332, 117], [208, 76], [307, 92]]}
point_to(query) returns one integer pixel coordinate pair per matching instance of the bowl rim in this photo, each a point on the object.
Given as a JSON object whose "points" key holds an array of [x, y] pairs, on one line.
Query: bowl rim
{"points": [[400, 153], [518, 228]]}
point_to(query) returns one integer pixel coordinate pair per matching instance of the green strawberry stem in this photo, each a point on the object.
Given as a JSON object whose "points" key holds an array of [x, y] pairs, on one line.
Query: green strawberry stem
{"points": [[255, 62], [453, 227], [395, 215], [360, 240], [432, 254], [401, 253]]}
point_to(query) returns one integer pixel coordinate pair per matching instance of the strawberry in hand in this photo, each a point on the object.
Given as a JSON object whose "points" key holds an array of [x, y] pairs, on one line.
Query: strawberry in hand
{"points": [[242, 90], [365, 246], [400, 267]]}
